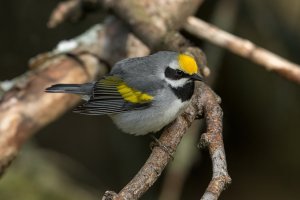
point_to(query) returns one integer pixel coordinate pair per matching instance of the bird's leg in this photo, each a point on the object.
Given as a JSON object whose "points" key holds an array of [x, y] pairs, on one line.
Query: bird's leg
{"points": [[199, 116], [157, 143]]}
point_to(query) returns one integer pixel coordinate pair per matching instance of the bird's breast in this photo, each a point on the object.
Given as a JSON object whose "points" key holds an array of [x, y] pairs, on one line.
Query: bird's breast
{"points": [[152, 119]]}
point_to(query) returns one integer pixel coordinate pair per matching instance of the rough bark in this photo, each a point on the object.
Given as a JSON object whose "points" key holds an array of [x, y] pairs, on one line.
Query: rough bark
{"points": [[156, 23], [25, 107], [142, 23]]}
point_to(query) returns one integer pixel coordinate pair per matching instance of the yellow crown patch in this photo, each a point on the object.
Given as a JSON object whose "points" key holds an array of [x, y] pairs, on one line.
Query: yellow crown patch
{"points": [[187, 64]]}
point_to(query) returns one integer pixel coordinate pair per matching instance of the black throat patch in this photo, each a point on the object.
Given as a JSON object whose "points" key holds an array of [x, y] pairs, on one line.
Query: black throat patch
{"points": [[186, 92]]}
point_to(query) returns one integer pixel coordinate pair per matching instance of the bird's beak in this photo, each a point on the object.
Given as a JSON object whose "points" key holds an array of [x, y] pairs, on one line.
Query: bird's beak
{"points": [[197, 77]]}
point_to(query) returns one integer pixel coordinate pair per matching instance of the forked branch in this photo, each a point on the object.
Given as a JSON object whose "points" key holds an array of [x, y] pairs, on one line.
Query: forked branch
{"points": [[148, 31], [156, 29]]}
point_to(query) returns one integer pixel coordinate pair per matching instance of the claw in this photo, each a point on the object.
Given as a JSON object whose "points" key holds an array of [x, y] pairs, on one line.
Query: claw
{"points": [[157, 143]]}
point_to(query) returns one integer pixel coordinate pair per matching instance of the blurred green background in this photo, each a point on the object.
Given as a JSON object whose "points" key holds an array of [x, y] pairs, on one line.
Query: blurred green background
{"points": [[80, 157]]}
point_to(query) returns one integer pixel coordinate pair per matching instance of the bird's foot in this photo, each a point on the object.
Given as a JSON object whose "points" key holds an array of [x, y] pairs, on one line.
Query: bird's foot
{"points": [[199, 116], [165, 148]]}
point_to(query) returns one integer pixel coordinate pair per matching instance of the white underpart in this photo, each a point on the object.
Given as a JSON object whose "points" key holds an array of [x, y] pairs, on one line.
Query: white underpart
{"points": [[164, 109], [141, 122]]}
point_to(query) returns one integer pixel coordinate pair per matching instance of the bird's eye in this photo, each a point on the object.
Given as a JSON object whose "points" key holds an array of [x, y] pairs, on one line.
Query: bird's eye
{"points": [[174, 74], [179, 73]]}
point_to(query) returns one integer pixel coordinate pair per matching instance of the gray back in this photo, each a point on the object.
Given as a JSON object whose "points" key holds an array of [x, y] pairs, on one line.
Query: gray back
{"points": [[143, 73]]}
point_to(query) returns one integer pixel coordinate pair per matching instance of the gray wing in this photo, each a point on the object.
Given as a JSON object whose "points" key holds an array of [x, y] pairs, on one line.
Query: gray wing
{"points": [[108, 98], [140, 73]]}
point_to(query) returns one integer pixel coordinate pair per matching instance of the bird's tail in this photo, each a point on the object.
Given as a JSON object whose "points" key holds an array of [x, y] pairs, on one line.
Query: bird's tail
{"points": [[81, 89]]}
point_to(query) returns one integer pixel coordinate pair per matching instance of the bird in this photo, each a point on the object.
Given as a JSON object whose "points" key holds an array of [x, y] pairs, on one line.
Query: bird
{"points": [[141, 95]]}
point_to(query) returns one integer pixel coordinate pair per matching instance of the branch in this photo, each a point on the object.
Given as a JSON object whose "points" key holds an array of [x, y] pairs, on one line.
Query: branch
{"points": [[178, 170], [25, 107], [213, 140], [70, 10], [145, 25], [244, 48], [155, 25], [154, 34]]}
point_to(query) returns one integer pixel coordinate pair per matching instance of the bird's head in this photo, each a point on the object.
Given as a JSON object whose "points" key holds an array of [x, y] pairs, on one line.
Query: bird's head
{"points": [[181, 69]]}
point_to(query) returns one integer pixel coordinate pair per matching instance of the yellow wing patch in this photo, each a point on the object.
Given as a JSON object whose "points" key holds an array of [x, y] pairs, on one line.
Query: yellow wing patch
{"points": [[132, 95], [187, 64], [128, 93]]}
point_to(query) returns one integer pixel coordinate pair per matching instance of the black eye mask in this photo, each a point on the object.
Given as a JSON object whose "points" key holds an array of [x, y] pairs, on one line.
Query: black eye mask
{"points": [[175, 74]]}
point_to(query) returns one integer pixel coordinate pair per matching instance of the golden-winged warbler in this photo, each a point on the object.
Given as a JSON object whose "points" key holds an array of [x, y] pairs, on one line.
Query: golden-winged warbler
{"points": [[141, 95]]}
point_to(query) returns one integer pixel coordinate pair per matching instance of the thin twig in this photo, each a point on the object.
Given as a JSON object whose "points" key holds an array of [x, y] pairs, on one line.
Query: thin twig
{"points": [[184, 159], [69, 10], [213, 140], [244, 48]]}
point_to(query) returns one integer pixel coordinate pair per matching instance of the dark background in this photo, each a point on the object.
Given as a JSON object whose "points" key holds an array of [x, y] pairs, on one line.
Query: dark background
{"points": [[79, 157]]}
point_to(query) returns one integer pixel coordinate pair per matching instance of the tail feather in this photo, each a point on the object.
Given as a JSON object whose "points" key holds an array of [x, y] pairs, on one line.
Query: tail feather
{"points": [[81, 89]]}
